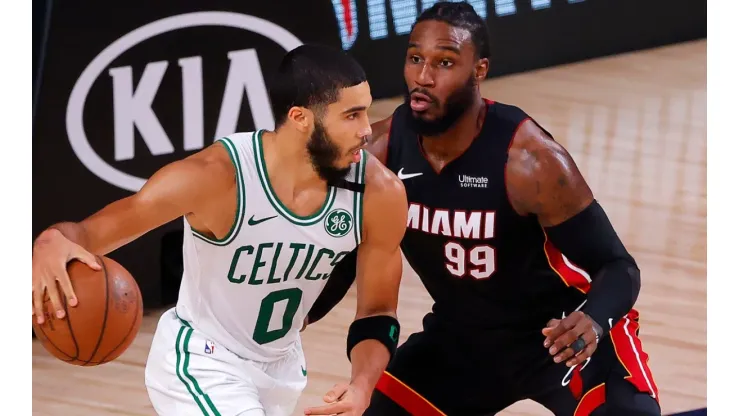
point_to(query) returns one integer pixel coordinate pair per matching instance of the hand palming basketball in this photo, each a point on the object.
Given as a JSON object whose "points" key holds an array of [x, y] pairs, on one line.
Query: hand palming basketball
{"points": [[51, 254]]}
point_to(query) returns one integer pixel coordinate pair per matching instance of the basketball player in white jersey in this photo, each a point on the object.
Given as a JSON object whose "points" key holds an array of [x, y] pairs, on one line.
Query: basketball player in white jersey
{"points": [[267, 215]]}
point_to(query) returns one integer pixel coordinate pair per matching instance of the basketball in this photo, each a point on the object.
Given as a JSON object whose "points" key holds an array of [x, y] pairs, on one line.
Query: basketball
{"points": [[105, 321]]}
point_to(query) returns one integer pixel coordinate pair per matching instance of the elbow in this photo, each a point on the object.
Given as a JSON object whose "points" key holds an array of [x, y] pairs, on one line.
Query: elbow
{"points": [[634, 276], [627, 268]]}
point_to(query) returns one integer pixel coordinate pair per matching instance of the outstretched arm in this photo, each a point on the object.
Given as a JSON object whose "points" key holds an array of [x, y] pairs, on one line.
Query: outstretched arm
{"points": [[373, 335], [542, 179], [178, 189]]}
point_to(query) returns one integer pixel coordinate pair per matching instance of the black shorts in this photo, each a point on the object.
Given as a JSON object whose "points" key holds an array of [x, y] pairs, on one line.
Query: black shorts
{"points": [[444, 371]]}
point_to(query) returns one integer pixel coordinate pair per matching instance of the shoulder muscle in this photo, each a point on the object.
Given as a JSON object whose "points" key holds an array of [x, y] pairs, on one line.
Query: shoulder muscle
{"points": [[385, 204], [177, 189], [542, 178]]}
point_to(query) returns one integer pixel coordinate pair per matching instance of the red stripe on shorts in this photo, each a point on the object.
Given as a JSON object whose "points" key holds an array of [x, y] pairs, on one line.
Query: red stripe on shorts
{"points": [[406, 397], [630, 354], [591, 400]]}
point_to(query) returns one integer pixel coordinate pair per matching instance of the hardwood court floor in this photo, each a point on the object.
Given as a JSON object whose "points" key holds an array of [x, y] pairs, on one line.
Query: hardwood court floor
{"points": [[636, 126]]}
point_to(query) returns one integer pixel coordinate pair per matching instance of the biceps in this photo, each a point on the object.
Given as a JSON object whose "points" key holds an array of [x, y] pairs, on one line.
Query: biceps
{"points": [[562, 192], [158, 202]]}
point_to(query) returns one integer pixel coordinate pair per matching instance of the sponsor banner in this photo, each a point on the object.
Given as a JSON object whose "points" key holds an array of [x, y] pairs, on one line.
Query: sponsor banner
{"points": [[131, 86], [525, 34]]}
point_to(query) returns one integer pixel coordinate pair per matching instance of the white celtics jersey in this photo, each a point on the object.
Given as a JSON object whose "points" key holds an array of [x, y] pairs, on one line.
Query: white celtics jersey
{"points": [[251, 290]]}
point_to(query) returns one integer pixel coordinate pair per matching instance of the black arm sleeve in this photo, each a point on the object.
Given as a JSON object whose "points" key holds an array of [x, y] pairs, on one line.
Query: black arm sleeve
{"points": [[339, 282], [589, 240]]}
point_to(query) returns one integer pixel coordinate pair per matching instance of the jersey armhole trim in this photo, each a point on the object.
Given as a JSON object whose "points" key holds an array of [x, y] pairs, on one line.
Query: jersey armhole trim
{"points": [[240, 199], [359, 197]]}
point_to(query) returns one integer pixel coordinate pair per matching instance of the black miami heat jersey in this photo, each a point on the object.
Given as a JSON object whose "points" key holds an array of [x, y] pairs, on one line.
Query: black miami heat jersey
{"points": [[483, 264]]}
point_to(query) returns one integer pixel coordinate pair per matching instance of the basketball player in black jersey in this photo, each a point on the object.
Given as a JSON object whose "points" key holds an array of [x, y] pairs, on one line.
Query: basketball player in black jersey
{"points": [[533, 290]]}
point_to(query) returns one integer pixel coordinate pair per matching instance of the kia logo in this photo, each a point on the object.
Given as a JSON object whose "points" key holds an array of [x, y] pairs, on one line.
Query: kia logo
{"points": [[76, 104]]}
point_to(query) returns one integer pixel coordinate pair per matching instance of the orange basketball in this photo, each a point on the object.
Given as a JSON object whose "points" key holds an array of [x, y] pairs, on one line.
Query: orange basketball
{"points": [[105, 321]]}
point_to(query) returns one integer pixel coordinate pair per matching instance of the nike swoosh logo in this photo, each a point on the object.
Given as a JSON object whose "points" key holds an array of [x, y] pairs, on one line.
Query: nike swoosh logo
{"points": [[403, 176], [252, 221], [303, 371]]}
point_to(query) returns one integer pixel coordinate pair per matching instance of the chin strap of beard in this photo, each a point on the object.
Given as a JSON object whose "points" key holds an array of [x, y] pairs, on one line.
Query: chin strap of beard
{"points": [[354, 187]]}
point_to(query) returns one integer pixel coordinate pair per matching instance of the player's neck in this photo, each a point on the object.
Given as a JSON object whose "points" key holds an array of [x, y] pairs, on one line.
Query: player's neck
{"points": [[287, 154], [458, 138]]}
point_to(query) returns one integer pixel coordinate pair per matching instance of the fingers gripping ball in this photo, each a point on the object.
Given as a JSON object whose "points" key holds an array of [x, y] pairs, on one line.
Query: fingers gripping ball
{"points": [[104, 322]]}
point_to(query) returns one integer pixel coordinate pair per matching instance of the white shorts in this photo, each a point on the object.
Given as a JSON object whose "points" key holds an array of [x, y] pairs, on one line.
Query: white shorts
{"points": [[187, 374]]}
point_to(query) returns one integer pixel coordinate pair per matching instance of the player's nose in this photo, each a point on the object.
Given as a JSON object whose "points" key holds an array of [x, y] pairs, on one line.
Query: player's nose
{"points": [[425, 77], [366, 129]]}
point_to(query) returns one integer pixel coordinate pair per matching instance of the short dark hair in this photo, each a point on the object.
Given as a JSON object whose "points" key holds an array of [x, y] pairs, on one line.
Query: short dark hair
{"points": [[311, 76], [463, 16]]}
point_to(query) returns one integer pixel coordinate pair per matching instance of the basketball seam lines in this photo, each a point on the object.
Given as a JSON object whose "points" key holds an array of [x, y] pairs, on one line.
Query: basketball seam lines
{"points": [[105, 312], [71, 332], [133, 323], [46, 337]]}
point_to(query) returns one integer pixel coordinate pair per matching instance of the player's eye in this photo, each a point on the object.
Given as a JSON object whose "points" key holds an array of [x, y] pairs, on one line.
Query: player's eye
{"points": [[446, 63], [414, 59], [352, 116]]}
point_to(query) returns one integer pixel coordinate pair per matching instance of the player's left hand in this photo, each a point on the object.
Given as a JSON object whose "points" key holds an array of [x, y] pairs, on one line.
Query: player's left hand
{"points": [[573, 338], [344, 399]]}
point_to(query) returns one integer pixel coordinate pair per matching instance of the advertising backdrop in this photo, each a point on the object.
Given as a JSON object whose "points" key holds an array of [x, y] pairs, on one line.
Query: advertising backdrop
{"points": [[525, 34], [130, 86]]}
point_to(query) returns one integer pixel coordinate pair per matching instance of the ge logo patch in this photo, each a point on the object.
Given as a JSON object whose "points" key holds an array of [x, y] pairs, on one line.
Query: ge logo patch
{"points": [[338, 223]]}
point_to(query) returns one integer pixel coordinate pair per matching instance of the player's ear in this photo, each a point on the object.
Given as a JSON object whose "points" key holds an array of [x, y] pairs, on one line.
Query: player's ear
{"points": [[301, 117], [481, 69]]}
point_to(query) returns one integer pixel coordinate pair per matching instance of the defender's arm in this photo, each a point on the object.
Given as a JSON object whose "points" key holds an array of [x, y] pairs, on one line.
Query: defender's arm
{"points": [[542, 179]]}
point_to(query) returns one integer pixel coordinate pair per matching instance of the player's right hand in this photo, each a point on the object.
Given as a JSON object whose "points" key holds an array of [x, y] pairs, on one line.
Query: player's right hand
{"points": [[52, 251]]}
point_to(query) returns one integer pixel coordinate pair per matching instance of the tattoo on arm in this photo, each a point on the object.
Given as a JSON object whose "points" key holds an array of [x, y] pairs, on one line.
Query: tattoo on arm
{"points": [[543, 179]]}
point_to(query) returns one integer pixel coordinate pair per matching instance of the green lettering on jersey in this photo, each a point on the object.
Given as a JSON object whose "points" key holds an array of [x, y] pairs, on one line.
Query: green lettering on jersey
{"points": [[258, 263], [269, 253], [270, 278], [297, 247], [305, 262], [235, 261], [323, 251]]}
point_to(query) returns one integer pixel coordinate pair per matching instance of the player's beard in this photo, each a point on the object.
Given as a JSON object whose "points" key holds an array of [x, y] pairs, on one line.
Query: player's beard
{"points": [[457, 103], [324, 154]]}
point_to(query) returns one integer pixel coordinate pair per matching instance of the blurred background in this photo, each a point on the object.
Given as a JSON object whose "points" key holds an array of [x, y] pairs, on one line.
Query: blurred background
{"points": [[122, 88]]}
